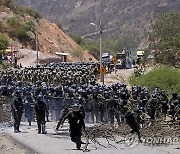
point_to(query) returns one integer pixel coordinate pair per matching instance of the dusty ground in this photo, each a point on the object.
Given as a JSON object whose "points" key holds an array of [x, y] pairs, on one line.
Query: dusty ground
{"points": [[29, 57], [8, 145], [60, 143], [121, 76]]}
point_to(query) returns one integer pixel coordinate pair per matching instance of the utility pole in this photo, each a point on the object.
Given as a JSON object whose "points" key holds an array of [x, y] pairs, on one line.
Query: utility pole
{"points": [[37, 48], [36, 35], [100, 46], [12, 50], [100, 49]]}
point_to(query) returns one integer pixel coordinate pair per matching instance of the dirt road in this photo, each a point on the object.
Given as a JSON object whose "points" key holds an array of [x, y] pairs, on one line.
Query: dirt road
{"points": [[8, 145], [61, 144], [121, 76]]}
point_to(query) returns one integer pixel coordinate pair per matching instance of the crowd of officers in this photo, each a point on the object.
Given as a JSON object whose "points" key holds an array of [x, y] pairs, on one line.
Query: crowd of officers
{"points": [[69, 91]]}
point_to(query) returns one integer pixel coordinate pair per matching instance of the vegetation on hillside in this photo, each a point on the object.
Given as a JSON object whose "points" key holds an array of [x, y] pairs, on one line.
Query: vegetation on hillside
{"points": [[3, 42], [91, 46], [1, 26], [12, 5], [167, 78], [3, 45], [165, 38], [18, 28], [78, 53], [119, 17], [111, 46]]}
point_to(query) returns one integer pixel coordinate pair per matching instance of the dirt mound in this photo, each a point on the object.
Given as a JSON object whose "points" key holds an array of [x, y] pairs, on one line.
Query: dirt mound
{"points": [[52, 39]]}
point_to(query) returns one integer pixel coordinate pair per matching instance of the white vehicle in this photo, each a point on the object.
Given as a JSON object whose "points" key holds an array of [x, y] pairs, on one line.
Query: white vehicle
{"points": [[139, 54]]}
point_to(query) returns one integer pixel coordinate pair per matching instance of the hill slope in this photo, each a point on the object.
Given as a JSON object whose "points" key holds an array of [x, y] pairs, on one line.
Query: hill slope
{"points": [[51, 38], [132, 18]]}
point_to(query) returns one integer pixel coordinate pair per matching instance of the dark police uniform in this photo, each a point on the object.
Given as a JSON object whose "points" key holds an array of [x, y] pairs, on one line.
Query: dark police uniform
{"points": [[76, 120], [41, 111], [17, 110]]}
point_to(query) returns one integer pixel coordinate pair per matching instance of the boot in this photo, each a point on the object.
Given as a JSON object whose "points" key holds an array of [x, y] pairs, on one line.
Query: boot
{"points": [[39, 128], [78, 142], [44, 129], [15, 129]]}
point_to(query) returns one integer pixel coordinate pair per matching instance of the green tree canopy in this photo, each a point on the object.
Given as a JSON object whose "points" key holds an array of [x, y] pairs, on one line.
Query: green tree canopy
{"points": [[3, 42], [165, 38]]}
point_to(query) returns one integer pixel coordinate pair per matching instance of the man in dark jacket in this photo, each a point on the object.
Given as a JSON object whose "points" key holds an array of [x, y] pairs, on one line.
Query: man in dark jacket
{"points": [[41, 111], [17, 110], [75, 115]]}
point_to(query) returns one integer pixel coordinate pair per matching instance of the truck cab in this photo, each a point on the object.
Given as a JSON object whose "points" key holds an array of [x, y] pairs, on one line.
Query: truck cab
{"points": [[121, 57], [106, 57], [139, 56]]}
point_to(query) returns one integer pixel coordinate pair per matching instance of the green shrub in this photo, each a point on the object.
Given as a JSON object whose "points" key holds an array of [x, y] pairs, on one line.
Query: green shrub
{"points": [[14, 21], [2, 8], [19, 29], [6, 3], [20, 10], [78, 39], [12, 5], [32, 13], [91, 46], [163, 77], [3, 42], [21, 33], [1, 26], [29, 26]]}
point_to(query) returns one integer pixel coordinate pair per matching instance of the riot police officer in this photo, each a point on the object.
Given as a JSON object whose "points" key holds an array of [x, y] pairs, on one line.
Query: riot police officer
{"points": [[17, 110], [41, 111], [75, 115], [29, 107], [164, 101]]}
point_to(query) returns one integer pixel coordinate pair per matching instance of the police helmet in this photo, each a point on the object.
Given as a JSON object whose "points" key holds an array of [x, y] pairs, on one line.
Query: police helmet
{"points": [[76, 107]]}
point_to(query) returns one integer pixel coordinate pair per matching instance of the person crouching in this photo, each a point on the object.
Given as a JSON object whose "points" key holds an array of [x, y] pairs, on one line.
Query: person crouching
{"points": [[75, 115]]}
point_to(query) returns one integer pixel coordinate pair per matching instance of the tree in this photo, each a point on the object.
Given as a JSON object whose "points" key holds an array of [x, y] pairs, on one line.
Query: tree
{"points": [[29, 26], [78, 39], [165, 38], [3, 45], [3, 42]]}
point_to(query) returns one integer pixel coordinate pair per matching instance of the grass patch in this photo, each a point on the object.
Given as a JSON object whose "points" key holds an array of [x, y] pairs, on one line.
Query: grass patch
{"points": [[167, 78]]}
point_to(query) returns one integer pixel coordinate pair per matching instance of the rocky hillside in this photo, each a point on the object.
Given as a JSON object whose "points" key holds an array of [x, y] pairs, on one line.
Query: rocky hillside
{"points": [[20, 30], [132, 18]]}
